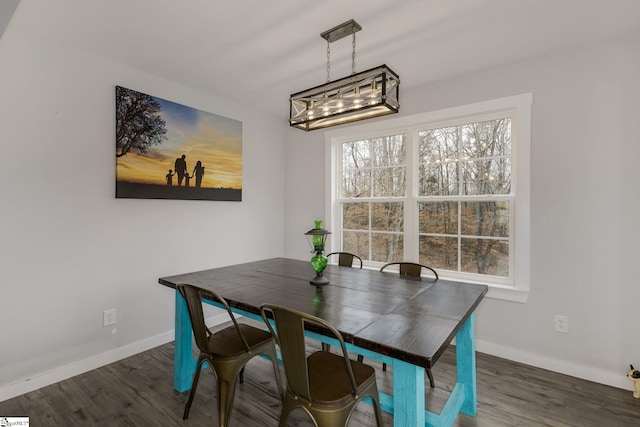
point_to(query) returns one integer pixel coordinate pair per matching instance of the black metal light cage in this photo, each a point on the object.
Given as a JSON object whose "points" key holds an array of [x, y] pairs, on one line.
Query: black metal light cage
{"points": [[317, 239], [368, 94]]}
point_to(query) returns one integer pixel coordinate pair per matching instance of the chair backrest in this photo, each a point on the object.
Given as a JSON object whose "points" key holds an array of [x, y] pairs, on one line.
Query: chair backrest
{"points": [[193, 297], [410, 269], [289, 333], [345, 259]]}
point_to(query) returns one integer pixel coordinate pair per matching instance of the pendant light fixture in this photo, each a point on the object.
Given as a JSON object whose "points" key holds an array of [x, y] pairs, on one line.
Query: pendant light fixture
{"points": [[368, 94]]}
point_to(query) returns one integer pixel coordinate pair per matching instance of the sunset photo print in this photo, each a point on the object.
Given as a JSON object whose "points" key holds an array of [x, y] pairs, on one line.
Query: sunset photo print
{"points": [[165, 150]]}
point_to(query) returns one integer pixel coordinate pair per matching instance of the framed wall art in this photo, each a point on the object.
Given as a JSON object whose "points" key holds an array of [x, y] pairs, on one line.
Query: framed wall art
{"points": [[166, 150]]}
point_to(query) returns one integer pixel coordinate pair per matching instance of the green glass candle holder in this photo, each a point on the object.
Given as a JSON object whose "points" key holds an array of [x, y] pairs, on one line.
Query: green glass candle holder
{"points": [[317, 237]]}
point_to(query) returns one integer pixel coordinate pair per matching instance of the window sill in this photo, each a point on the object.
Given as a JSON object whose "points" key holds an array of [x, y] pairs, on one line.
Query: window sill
{"points": [[508, 293], [496, 291]]}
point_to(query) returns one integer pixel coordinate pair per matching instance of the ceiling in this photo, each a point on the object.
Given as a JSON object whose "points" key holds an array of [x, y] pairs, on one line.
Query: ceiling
{"points": [[258, 52]]}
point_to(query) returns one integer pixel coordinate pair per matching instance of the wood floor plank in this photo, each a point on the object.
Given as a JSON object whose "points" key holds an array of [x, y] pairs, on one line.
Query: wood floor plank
{"points": [[138, 391]]}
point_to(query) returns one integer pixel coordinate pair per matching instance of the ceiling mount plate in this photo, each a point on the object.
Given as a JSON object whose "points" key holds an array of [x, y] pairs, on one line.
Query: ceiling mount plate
{"points": [[342, 30]]}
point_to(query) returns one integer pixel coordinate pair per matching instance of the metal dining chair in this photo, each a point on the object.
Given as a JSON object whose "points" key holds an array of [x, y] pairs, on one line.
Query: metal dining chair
{"points": [[226, 351], [326, 386], [411, 269], [345, 259]]}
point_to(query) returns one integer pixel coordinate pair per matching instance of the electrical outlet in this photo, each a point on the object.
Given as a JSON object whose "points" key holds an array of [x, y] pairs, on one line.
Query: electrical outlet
{"points": [[109, 317], [562, 323]]}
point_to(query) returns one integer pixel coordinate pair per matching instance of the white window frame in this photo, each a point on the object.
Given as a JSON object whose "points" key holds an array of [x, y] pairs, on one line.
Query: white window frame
{"points": [[518, 107]]}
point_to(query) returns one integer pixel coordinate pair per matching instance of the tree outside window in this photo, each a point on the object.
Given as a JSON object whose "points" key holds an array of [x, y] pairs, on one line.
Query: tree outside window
{"points": [[462, 202]]}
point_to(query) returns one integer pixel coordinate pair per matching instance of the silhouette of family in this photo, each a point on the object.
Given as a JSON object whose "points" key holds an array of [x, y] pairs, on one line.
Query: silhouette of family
{"points": [[180, 168]]}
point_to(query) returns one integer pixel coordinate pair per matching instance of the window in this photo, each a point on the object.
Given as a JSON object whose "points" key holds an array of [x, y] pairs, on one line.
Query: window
{"points": [[373, 179], [449, 189]]}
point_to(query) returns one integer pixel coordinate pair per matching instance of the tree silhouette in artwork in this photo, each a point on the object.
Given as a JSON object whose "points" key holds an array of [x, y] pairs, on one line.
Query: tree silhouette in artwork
{"points": [[138, 123]]}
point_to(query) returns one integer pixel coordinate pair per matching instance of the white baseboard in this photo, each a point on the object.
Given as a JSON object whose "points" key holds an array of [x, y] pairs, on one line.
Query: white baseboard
{"points": [[43, 379], [589, 373]]}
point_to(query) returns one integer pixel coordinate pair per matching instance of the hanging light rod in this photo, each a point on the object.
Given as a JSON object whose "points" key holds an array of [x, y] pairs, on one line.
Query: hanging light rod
{"points": [[341, 31], [368, 94]]}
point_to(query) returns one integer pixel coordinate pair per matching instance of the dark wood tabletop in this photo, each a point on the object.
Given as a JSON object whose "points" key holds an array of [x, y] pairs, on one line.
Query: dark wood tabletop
{"points": [[408, 319]]}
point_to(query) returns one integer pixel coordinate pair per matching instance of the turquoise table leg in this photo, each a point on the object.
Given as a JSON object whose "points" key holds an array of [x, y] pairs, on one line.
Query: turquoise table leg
{"points": [[408, 395], [183, 364], [466, 365]]}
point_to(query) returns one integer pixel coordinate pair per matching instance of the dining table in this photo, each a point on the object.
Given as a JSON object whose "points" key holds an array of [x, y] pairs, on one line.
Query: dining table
{"points": [[405, 322]]}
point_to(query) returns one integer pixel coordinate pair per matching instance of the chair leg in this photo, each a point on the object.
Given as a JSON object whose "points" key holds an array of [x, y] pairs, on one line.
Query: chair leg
{"points": [[326, 347], [227, 380], [376, 408], [360, 358], [430, 375], [288, 405], [194, 385]]}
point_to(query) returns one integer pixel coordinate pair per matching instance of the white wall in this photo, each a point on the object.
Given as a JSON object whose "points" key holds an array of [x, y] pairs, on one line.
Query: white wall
{"points": [[585, 206], [69, 249]]}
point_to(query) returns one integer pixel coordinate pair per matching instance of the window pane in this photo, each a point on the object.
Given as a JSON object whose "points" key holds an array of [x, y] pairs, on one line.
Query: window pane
{"points": [[487, 139], [356, 155], [355, 216], [438, 179], [484, 256], [485, 219], [376, 164], [438, 217], [486, 176], [472, 159], [356, 242], [487, 146], [388, 182], [388, 151], [439, 252], [438, 145], [356, 183], [387, 216], [386, 247], [438, 156]]}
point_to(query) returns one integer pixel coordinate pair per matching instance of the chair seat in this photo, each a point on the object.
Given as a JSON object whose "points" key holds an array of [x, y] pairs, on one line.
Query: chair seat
{"points": [[328, 381], [227, 342]]}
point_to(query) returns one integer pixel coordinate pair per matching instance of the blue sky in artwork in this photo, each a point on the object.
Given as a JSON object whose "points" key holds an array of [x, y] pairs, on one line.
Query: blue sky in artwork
{"points": [[180, 115]]}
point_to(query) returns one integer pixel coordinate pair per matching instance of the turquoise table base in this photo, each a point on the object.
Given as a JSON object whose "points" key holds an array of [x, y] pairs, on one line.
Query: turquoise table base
{"points": [[407, 402]]}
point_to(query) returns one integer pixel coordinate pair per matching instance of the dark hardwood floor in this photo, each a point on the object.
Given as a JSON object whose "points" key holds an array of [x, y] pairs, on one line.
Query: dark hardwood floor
{"points": [[138, 391]]}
